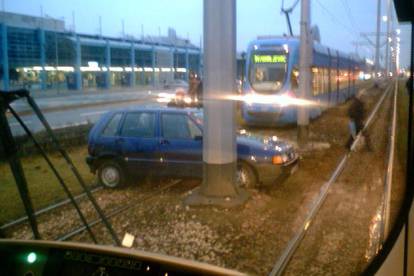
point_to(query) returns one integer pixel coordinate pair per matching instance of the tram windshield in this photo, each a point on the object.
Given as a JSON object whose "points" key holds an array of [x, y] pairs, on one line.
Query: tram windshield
{"points": [[267, 71]]}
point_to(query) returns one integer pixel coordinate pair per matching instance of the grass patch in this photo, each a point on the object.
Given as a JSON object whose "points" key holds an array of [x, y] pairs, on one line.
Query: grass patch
{"points": [[43, 186], [402, 124]]}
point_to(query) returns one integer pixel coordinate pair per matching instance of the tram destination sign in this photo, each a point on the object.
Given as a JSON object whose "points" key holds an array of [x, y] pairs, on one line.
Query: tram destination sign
{"points": [[269, 58]]}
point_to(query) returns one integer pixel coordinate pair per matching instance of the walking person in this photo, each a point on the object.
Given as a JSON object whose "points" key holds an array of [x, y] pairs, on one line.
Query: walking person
{"points": [[409, 84], [192, 86], [356, 113]]}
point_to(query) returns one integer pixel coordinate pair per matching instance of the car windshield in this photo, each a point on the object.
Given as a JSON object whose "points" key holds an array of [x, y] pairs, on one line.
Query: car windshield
{"points": [[224, 134]]}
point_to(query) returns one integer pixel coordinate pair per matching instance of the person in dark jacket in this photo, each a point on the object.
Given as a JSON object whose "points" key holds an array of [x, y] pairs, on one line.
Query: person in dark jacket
{"points": [[356, 113], [409, 84], [192, 86]]}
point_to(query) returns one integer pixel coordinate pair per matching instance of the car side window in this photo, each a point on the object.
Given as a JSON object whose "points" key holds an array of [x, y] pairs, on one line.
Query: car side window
{"points": [[112, 126], [194, 129], [175, 126], [139, 124]]}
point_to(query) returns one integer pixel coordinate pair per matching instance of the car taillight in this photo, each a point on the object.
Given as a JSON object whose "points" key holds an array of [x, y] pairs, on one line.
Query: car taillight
{"points": [[277, 160], [280, 159]]}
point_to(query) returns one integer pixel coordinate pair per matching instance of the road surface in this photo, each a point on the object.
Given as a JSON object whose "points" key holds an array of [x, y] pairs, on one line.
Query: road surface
{"points": [[79, 109]]}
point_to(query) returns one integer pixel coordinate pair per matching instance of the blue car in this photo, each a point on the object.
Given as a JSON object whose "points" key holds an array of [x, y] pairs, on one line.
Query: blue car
{"points": [[168, 142]]}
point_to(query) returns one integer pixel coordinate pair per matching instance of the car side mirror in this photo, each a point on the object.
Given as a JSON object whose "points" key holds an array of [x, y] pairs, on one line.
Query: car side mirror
{"points": [[198, 137]]}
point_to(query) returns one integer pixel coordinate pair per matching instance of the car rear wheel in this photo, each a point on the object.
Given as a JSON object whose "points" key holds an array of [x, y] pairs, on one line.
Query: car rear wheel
{"points": [[245, 176], [110, 174]]}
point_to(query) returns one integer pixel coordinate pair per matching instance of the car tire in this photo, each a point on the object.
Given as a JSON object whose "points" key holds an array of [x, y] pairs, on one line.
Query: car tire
{"points": [[110, 174], [245, 176]]}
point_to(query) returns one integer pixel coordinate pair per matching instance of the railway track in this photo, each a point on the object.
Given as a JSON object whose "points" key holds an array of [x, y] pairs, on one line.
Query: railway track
{"points": [[49, 209], [117, 211], [45, 210], [287, 254]]}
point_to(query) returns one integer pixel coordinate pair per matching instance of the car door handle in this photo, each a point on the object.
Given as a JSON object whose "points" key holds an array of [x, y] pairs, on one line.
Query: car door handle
{"points": [[164, 142]]}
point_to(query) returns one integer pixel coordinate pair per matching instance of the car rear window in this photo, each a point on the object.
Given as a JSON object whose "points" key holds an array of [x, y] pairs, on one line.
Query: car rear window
{"points": [[112, 126], [139, 124]]}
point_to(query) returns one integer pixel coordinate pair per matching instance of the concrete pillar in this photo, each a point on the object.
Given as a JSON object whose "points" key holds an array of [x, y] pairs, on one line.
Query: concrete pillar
{"points": [[5, 57], [377, 40], [132, 74], [108, 64], [143, 73], [219, 129], [43, 76], [199, 63], [387, 42], [78, 73], [305, 77], [173, 65], [187, 65], [153, 65]]}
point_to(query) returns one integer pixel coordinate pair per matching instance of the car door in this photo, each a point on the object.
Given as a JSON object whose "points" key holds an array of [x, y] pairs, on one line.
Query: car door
{"points": [[138, 141], [180, 145]]}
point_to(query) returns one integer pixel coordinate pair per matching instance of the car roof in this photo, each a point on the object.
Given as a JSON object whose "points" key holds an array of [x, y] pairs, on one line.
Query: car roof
{"points": [[156, 109]]}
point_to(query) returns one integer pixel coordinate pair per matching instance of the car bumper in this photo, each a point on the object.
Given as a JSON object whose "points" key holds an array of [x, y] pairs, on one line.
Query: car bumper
{"points": [[90, 160], [269, 173]]}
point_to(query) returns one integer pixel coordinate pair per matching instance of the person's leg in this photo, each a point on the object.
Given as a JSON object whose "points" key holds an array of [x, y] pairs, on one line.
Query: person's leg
{"points": [[367, 140], [349, 142]]}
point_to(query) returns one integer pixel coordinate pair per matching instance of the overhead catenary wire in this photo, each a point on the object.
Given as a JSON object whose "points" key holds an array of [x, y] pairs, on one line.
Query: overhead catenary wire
{"points": [[350, 16], [335, 19]]}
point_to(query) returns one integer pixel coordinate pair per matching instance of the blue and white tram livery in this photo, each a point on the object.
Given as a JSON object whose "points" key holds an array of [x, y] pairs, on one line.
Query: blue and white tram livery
{"points": [[272, 69]]}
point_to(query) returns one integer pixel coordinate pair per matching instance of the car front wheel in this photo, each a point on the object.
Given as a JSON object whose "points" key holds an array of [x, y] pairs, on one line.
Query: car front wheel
{"points": [[245, 176], [110, 174]]}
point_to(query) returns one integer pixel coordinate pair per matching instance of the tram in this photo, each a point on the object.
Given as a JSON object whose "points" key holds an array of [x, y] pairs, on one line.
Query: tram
{"points": [[272, 69]]}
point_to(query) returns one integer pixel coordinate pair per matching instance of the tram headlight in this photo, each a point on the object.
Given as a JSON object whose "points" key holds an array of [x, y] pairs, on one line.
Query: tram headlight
{"points": [[187, 100]]}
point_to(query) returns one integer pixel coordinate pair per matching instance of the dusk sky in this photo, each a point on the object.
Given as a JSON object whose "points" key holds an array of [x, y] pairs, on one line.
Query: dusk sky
{"points": [[339, 21]]}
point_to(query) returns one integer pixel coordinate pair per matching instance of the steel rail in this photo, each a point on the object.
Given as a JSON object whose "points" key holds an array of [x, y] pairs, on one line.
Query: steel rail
{"points": [[389, 173], [46, 209], [117, 211], [285, 257]]}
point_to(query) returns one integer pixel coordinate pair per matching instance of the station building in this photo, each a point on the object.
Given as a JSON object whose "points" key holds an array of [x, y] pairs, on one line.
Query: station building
{"points": [[39, 53]]}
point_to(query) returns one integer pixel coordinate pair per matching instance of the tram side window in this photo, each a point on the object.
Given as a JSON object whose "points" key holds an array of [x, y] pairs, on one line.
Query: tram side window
{"points": [[325, 80], [334, 78], [357, 77], [319, 81], [343, 79], [315, 87]]}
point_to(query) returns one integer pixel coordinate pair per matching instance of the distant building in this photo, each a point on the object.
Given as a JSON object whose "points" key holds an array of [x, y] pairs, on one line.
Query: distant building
{"points": [[39, 53], [32, 22]]}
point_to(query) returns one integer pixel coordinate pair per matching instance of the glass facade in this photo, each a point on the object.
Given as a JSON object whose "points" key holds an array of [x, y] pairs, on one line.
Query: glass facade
{"points": [[54, 65]]}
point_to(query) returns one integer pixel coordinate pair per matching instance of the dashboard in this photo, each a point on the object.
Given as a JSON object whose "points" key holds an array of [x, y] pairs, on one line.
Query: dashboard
{"points": [[30, 258]]}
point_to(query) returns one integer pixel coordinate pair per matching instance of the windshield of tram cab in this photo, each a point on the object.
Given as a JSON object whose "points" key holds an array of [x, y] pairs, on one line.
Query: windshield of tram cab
{"points": [[267, 70], [154, 103]]}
